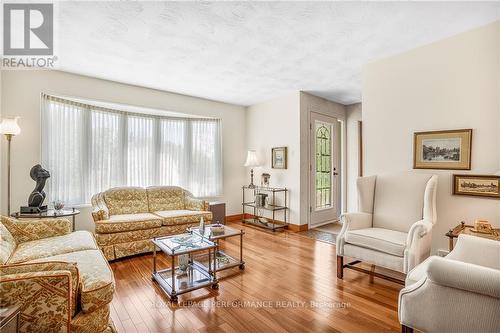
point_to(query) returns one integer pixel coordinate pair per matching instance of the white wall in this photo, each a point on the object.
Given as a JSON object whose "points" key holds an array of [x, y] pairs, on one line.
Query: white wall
{"points": [[21, 96], [450, 84], [276, 123], [284, 121], [353, 114]]}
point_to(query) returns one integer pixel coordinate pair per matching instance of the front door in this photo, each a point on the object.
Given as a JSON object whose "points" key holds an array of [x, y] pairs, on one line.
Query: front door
{"points": [[323, 169]]}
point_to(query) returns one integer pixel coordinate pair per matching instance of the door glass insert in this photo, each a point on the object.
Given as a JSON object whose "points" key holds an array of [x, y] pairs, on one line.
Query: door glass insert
{"points": [[323, 165]]}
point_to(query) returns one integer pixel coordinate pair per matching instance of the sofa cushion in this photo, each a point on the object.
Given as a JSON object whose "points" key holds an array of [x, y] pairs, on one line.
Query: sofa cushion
{"points": [[97, 282], [128, 222], [383, 240], [165, 198], [126, 200], [173, 217], [46, 247], [7, 244]]}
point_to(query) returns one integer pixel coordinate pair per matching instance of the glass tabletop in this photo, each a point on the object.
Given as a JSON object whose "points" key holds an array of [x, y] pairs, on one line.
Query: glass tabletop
{"points": [[227, 232], [183, 243], [48, 213]]}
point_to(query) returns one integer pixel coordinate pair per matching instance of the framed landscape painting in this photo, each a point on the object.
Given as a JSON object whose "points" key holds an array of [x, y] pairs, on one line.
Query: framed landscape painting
{"points": [[482, 186], [450, 150], [279, 158]]}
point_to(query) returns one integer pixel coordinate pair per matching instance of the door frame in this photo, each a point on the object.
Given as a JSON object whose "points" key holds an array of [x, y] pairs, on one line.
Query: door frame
{"points": [[342, 164]]}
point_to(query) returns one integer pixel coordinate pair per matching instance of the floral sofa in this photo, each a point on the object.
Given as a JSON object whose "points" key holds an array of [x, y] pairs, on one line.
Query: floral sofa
{"points": [[127, 218], [60, 278]]}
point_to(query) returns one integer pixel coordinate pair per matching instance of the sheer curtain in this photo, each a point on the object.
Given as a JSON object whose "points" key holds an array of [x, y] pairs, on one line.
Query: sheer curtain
{"points": [[88, 149]]}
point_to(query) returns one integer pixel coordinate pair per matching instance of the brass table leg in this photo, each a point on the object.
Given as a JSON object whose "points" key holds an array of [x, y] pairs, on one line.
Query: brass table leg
{"points": [[242, 264], [173, 298]]}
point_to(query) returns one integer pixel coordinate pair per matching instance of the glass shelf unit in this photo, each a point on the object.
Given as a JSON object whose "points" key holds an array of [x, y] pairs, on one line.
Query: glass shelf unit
{"points": [[257, 217]]}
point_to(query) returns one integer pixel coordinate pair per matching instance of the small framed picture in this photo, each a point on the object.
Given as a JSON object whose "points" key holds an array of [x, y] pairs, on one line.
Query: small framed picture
{"points": [[477, 185], [279, 158], [449, 150]]}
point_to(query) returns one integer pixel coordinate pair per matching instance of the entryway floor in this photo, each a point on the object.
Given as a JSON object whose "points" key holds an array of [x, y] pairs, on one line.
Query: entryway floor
{"points": [[333, 228]]}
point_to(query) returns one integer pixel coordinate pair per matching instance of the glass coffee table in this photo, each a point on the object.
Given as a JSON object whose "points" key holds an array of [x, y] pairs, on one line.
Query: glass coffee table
{"points": [[222, 260], [190, 276]]}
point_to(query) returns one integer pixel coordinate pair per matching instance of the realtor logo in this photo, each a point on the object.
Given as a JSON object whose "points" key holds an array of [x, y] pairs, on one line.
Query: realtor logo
{"points": [[28, 29]]}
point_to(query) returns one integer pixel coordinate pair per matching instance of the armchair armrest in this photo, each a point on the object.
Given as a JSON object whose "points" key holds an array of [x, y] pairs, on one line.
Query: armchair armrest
{"points": [[24, 230], [352, 221], [464, 276], [48, 266], [418, 230], [44, 297], [99, 209], [476, 250], [418, 244], [191, 203]]}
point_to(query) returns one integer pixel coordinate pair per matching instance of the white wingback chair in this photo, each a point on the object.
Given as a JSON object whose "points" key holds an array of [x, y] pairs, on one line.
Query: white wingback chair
{"points": [[392, 228], [457, 293]]}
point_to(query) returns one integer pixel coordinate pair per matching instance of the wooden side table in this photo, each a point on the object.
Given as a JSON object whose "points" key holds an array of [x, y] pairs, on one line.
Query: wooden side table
{"points": [[218, 210], [9, 319], [462, 228]]}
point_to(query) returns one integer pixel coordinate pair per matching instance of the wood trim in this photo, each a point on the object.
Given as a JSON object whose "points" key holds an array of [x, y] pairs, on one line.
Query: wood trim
{"points": [[298, 227], [360, 148], [234, 218]]}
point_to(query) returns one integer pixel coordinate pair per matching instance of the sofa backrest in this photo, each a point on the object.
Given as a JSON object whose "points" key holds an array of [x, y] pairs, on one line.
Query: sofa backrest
{"points": [[165, 198], [7, 243], [399, 200], [126, 200]]}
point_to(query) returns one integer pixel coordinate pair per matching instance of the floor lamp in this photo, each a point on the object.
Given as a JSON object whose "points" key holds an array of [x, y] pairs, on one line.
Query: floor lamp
{"points": [[9, 128]]}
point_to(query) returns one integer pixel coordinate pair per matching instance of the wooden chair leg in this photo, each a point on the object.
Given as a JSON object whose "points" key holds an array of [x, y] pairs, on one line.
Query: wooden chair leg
{"points": [[340, 267], [406, 329], [372, 269]]}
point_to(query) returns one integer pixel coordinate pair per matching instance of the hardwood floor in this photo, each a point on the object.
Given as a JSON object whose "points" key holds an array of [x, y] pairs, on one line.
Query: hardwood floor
{"points": [[289, 285]]}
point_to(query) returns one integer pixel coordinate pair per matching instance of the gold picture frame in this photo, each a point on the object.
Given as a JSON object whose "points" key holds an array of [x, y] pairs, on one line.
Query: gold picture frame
{"points": [[279, 157], [477, 185], [446, 150]]}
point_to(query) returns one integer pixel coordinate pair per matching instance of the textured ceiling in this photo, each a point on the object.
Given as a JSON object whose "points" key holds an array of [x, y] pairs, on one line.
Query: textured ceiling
{"points": [[249, 52]]}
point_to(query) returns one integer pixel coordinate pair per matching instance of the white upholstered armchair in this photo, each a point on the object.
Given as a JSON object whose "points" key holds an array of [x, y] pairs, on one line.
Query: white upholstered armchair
{"points": [[392, 228], [457, 293]]}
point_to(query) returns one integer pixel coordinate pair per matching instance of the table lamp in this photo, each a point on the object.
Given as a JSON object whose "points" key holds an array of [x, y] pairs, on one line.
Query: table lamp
{"points": [[9, 128], [252, 162]]}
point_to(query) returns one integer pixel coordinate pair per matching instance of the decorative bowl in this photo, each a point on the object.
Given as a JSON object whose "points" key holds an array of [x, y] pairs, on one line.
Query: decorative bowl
{"points": [[58, 205], [217, 229]]}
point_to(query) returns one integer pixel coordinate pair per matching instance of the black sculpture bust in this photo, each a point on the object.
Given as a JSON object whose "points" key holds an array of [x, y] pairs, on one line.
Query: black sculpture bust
{"points": [[37, 197]]}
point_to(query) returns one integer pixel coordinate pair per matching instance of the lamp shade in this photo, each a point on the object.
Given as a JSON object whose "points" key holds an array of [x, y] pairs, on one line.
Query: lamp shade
{"points": [[252, 160], [9, 126]]}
